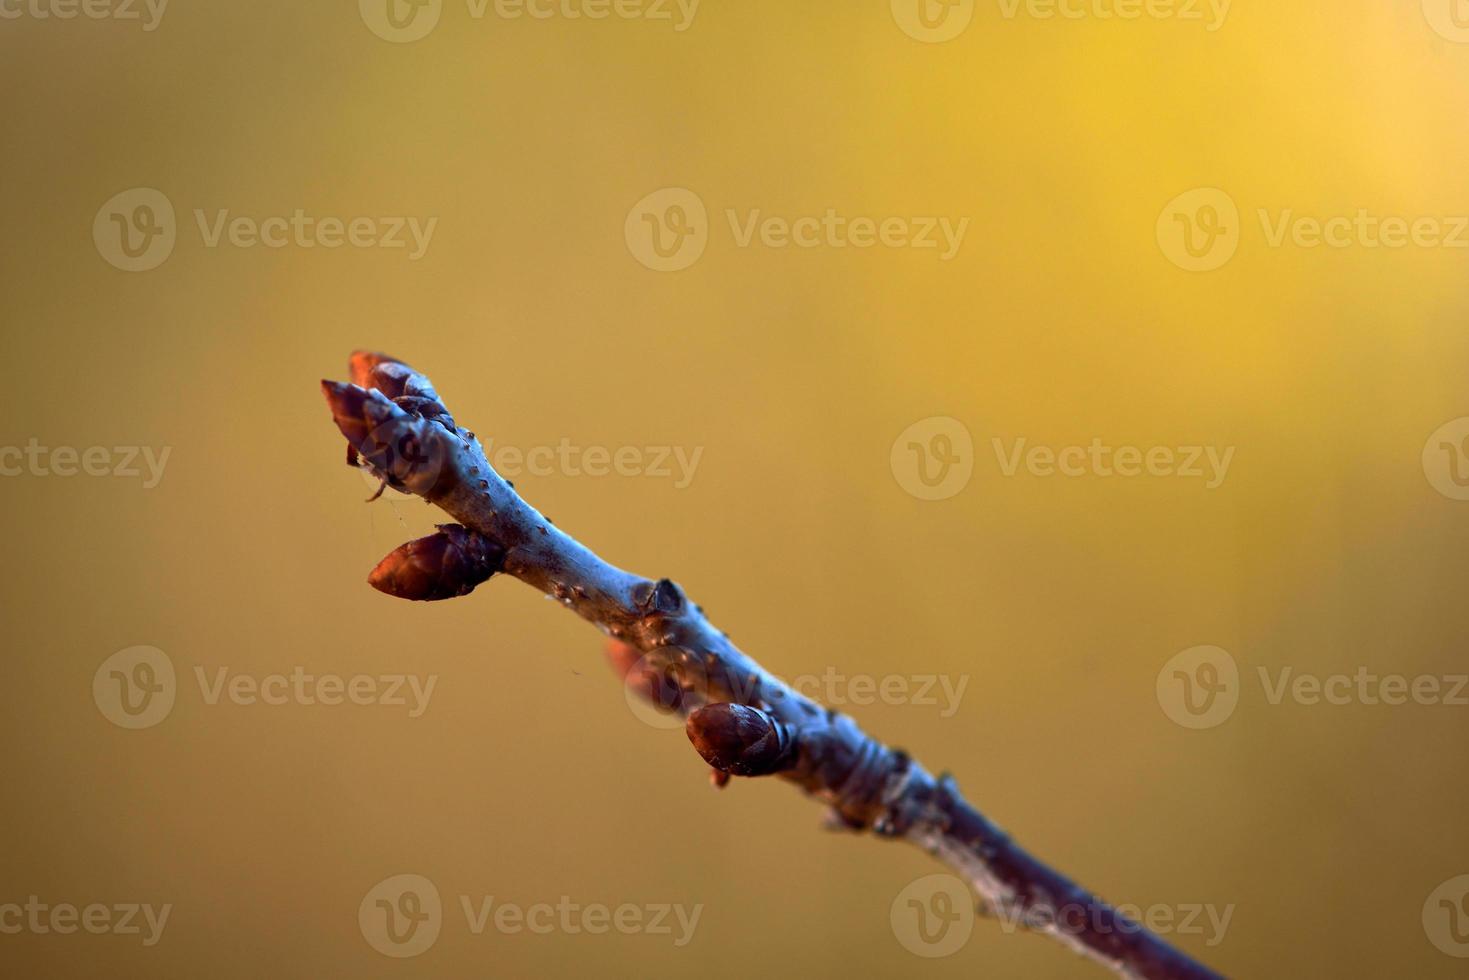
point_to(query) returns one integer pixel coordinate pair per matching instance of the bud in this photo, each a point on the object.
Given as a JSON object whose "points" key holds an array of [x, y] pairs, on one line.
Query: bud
{"points": [[394, 378], [402, 446], [441, 566], [738, 739]]}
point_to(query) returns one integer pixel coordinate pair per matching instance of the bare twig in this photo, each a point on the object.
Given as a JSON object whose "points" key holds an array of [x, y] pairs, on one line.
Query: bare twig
{"points": [[743, 720]]}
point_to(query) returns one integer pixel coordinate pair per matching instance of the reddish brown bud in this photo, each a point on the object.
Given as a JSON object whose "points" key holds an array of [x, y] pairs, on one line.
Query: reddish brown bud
{"points": [[441, 566], [392, 377], [396, 443], [387, 374], [738, 739], [349, 410]]}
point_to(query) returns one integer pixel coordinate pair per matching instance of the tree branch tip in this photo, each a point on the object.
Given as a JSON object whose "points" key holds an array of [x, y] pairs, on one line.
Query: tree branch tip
{"points": [[397, 427]]}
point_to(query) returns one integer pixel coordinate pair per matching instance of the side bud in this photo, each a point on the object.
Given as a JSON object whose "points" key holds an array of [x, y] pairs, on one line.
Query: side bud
{"points": [[741, 740], [444, 565]]}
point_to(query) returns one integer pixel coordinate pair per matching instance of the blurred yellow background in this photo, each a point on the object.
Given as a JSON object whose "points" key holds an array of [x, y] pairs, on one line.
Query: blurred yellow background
{"points": [[1064, 316]]}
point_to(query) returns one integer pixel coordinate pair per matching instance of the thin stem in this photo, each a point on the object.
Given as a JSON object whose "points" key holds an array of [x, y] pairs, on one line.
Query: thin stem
{"points": [[396, 423]]}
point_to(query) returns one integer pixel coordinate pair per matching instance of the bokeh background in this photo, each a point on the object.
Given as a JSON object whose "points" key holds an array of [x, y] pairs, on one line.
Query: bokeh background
{"points": [[1062, 318]]}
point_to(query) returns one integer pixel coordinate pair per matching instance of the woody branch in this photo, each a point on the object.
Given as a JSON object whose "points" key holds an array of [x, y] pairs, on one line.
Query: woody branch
{"points": [[741, 719]]}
